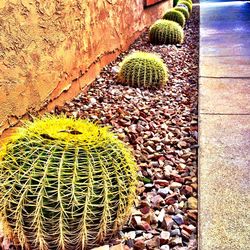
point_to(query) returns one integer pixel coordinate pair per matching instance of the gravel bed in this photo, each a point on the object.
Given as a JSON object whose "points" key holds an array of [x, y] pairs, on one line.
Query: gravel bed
{"points": [[161, 127]]}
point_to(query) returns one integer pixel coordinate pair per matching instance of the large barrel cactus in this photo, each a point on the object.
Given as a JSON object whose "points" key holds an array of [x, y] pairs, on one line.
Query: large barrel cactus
{"points": [[186, 3], [184, 11], [166, 32], [141, 69], [65, 184], [176, 16]]}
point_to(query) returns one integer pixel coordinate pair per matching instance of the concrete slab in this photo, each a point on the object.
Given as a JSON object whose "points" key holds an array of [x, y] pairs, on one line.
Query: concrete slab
{"points": [[225, 66], [224, 129], [224, 96], [236, 44], [224, 177]]}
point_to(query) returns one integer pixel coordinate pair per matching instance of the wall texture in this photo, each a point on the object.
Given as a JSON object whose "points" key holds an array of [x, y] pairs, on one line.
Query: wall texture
{"points": [[50, 50]]}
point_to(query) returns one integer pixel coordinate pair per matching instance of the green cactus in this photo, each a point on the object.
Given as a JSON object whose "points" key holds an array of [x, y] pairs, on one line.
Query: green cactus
{"points": [[65, 184], [176, 16], [177, 1], [188, 4], [184, 11], [166, 32], [141, 69]]}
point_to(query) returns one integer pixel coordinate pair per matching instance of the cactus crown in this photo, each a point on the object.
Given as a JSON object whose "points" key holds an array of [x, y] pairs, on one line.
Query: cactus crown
{"points": [[143, 69], [184, 11], [166, 32], [176, 16], [186, 3], [65, 184]]}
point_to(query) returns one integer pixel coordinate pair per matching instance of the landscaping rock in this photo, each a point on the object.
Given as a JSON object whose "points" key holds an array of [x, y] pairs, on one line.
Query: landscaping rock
{"points": [[192, 203]]}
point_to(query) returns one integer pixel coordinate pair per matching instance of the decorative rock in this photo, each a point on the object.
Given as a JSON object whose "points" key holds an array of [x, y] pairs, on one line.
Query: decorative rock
{"points": [[157, 201], [187, 190], [162, 183], [153, 244], [163, 191], [167, 223], [176, 232], [178, 219], [192, 203], [164, 237], [164, 247], [131, 235], [117, 247], [136, 220], [145, 226], [176, 241], [174, 185], [139, 245], [161, 215]]}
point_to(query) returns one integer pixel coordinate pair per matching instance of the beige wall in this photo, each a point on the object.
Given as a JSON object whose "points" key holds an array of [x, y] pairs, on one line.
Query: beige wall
{"points": [[50, 49]]}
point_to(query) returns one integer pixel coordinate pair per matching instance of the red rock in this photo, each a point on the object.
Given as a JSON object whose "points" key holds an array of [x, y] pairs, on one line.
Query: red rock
{"points": [[153, 243], [145, 207], [163, 183], [170, 201], [157, 201], [167, 223], [187, 190], [145, 226], [139, 245], [192, 214]]}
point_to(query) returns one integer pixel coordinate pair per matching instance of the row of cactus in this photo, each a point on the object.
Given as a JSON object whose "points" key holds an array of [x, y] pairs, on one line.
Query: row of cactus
{"points": [[142, 69], [65, 184]]}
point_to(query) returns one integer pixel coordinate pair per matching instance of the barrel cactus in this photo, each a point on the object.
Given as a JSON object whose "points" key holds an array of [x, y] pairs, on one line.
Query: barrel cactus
{"points": [[166, 32], [187, 3], [142, 69], [65, 184], [184, 11], [183, 6], [176, 16]]}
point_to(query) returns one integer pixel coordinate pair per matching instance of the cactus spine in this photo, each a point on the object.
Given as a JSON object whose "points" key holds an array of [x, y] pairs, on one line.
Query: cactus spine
{"points": [[65, 184]]}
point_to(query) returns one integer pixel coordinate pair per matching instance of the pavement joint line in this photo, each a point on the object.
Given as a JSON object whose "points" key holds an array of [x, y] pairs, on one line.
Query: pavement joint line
{"points": [[226, 77], [245, 114], [229, 56], [204, 56]]}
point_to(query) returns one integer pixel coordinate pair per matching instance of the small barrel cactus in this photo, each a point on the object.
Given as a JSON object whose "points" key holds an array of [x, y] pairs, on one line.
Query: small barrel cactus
{"points": [[166, 32], [65, 184], [142, 69], [184, 11], [183, 6], [187, 3], [176, 16]]}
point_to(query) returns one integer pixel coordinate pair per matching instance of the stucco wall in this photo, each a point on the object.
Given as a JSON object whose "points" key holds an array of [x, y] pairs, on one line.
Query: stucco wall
{"points": [[49, 50]]}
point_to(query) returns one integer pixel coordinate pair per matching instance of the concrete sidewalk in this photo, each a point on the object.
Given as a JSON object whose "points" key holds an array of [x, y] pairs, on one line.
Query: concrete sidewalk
{"points": [[224, 157]]}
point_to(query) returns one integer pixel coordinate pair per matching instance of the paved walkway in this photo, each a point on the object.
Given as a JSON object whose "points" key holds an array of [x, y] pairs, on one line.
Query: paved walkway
{"points": [[224, 159]]}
